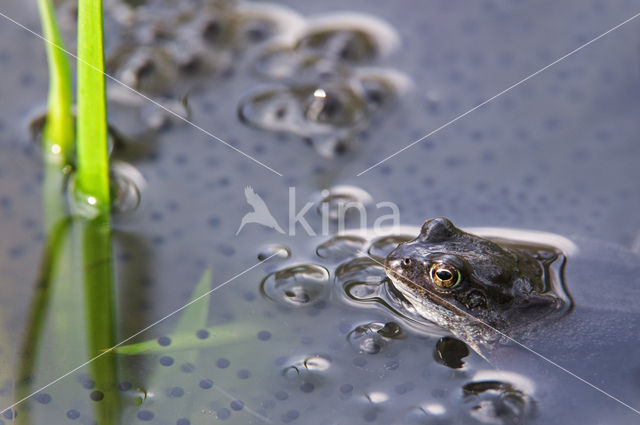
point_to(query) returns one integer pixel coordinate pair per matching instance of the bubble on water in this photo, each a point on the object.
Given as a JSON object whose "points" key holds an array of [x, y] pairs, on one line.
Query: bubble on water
{"points": [[370, 338], [340, 247], [274, 252], [497, 402], [126, 186], [450, 352], [381, 247], [296, 286]]}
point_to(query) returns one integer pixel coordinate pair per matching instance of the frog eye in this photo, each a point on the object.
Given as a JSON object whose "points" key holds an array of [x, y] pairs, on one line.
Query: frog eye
{"points": [[445, 276]]}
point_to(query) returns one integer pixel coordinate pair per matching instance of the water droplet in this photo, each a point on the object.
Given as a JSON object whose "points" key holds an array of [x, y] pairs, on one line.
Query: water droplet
{"points": [[126, 185], [296, 286], [340, 247]]}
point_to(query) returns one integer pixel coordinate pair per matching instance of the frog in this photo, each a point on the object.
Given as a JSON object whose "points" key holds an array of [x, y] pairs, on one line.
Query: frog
{"points": [[577, 333], [459, 281]]}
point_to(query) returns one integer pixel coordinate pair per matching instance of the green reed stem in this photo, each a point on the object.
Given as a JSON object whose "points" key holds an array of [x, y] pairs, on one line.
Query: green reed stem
{"points": [[92, 178], [58, 135], [100, 314]]}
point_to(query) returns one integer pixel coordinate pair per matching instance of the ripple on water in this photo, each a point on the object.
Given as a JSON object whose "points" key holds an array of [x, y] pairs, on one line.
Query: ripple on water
{"points": [[296, 286]]}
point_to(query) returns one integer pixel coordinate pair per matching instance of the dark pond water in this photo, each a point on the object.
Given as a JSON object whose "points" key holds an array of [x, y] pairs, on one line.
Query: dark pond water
{"points": [[319, 92]]}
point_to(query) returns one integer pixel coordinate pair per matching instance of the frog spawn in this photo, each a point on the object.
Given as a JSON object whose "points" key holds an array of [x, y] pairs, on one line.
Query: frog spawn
{"points": [[165, 49], [324, 96]]}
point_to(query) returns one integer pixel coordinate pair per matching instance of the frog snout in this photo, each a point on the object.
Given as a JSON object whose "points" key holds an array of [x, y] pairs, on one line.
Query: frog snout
{"points": [[396, 262]]}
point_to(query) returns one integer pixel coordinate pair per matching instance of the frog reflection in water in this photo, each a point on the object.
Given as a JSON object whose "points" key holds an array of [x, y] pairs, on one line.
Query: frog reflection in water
{"points": [[449, 275]]}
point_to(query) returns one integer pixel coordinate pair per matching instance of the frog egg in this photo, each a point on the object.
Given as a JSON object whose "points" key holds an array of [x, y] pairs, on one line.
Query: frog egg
{"points": [[274, 252], [378, 86], [371, 338], [381, 247], [498, 401], [340, 247], [361, 269], [349, 37], [342, 202], [149, 70], [257, 22], [280, 61], [303, 110], [296, 286]]}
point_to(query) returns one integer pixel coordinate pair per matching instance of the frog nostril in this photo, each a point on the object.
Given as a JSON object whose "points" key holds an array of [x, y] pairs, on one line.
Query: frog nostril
{"points": [[406, 262]]}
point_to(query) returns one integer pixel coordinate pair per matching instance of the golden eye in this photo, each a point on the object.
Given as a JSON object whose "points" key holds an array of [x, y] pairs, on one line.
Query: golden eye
{"points": [[444, 276]]}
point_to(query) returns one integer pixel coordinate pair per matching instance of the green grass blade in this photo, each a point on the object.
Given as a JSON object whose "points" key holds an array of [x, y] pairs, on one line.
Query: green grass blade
{"points": [[58, 135], [218, 336], [92, 178], [195, 316]]}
